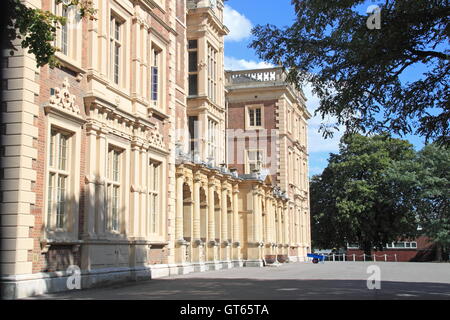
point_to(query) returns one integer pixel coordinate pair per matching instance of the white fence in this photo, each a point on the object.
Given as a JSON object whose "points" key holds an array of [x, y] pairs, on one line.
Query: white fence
{"points": [[360, 257]]}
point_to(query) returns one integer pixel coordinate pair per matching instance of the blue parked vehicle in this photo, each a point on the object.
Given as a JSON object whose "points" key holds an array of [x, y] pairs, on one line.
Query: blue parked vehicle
{"points": [[316, 257]]}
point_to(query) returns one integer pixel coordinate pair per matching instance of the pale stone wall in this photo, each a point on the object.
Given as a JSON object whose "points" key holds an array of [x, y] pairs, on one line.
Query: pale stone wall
{"points": [[208, 216], [19, 153]]}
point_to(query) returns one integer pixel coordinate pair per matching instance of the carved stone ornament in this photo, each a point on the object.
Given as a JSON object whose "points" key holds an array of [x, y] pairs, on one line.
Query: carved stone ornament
{"points": [[63, 99], [156, 139]]}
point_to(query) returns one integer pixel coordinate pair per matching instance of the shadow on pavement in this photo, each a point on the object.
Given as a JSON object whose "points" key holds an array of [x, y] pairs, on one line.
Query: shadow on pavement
{"points": [[252, 289]]}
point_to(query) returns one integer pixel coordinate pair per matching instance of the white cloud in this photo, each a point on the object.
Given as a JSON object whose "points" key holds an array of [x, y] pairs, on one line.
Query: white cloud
{"points": [[240, 27], [242, 64], [316, 142]]}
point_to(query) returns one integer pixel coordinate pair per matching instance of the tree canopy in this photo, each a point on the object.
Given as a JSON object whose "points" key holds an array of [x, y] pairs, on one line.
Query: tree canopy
{"points": [[37, 28], [377, 190], [357, 71], [364, 194], [433, 197]]}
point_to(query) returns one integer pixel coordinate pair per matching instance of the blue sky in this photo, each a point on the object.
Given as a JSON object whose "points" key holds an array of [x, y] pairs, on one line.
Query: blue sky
{"points": [[240, 16]]}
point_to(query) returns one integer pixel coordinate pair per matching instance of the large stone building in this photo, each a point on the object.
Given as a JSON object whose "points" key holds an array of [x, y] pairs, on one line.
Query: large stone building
{"points": [[135, 158]]}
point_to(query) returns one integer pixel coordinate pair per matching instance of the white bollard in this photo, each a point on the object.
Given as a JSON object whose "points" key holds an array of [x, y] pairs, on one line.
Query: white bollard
{"points": [[354, 258], [395, 257], [364, 257], [385, 257], [334, 257], [374, 257], [343, 256]]}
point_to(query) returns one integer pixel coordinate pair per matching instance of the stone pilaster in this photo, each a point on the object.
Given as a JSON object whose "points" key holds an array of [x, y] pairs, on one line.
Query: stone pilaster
{"points": [[19, 153]]}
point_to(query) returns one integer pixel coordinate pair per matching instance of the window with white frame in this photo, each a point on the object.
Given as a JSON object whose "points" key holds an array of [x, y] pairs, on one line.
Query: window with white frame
{"points": [[58, 193], [193, 67], [113, 188], [154, 195], [212, 141], [288, 120], [304, 177], [63, 34], [115, 40], [402, 245], [254, 160], [254, 116], [156, 70], [303, 136], [212, 73], [68, 36]]}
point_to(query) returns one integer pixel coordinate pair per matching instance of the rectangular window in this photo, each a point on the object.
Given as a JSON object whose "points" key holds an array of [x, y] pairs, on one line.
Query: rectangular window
{"points": [[155, 83], [193, 134], [114, 188], [212, 141], [62, 33], [115, 48], [193, 61], [258, 117], [154, 197], [289, 123], [212, 73], [193, 85], [255, 117], [155, 74], [192, 44], [402, 245], [254, 160], [57, 207], [193, 67]]}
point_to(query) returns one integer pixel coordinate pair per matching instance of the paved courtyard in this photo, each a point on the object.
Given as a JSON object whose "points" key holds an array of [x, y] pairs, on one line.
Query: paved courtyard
{"points": [[331, 280]]}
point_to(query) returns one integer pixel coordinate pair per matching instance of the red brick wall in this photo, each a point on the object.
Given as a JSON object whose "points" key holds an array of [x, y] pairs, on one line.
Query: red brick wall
{"points": [[236, 120], [421, 253], [236, 114]]}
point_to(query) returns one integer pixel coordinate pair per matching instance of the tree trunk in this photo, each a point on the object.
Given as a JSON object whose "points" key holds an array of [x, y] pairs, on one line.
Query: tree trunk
{"points": [[438, 257]]}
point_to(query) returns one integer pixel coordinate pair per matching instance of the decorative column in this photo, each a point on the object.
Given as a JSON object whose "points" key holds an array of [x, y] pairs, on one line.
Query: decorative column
{"points": [[197, 244], [101, 218], [254, 246], [91, 179], [135, 55], [236, 237], [212, 245], [135, 191], [225, 252], [298, 230], [180, 248], [268, 227], [144, 218], [286, 229], [280, 229]]}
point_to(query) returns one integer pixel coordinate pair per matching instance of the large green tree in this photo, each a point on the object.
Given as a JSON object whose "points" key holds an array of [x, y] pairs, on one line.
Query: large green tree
{"points": [[36, 28], [357, 71], [433, 197], [365, 194]]}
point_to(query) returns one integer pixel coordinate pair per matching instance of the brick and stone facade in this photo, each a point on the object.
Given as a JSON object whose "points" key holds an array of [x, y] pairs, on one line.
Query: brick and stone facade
{"points": [[116, 162]]}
